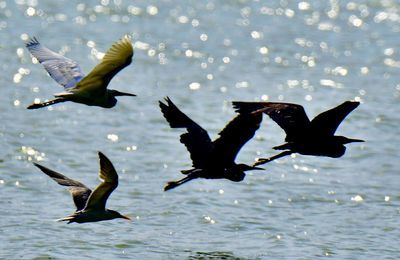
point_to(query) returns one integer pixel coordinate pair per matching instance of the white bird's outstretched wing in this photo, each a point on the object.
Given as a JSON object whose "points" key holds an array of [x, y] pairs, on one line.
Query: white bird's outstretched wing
{"points": [[118, 56], [63, 70]]}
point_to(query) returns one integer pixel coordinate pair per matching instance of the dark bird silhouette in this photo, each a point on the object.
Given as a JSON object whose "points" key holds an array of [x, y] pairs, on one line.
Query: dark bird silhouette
{"points": [[212, 159], [90, 206], [315, 137], [90, 89]]}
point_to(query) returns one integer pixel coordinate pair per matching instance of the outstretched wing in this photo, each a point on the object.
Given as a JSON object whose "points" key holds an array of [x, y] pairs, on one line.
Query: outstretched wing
{"points": [[327, 122], [290, 117], [196, 140], [63, 70], [235, 134], [98, 198], [116, 58], [80, 193]]}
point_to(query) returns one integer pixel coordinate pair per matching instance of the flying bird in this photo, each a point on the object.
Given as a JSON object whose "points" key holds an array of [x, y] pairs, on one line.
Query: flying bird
{"points": [[212, 159], [90, 206], [90, 89], [315, 137]]}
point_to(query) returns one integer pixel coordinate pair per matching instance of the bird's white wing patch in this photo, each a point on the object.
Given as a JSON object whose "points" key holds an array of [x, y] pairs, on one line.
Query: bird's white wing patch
{"points": [[63, 70]]}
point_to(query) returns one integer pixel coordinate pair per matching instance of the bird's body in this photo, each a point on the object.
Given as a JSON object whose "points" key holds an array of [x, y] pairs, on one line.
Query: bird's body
{"points": [[212, 159], [90, 206], [315, 137], [91, 89]]}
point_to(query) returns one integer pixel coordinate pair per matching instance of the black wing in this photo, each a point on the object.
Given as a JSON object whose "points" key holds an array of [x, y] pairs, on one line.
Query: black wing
{"points": [[196, 140], [290, 117], [80, 193], [98, 198], [327, 122], [235, 134]]}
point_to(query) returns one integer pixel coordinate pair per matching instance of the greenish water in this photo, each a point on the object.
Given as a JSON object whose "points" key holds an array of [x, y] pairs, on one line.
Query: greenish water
{"points": [[203, 54]]}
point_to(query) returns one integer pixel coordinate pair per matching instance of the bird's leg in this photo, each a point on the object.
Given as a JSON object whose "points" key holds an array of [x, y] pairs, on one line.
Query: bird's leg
{"points": [[266, 160], [186, 172], [45, 104], [172, 184]]}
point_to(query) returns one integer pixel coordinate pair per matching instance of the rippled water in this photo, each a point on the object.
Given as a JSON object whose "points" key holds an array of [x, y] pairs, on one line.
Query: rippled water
{"points": [[203, 54]]}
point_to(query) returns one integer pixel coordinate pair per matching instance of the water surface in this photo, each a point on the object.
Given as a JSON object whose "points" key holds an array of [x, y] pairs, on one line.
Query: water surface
{"points": [[203, 55]]}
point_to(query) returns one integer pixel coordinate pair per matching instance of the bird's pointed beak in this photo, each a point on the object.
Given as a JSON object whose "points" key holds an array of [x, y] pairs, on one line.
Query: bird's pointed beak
{"points": [[355, 141], [118, 93], [125, 217], [257, 168]]}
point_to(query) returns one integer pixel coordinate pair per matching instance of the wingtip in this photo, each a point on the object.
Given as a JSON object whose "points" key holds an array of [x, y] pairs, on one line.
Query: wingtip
{"points": [[37, 165], [100, 153], [168, 99], [32, 41]]}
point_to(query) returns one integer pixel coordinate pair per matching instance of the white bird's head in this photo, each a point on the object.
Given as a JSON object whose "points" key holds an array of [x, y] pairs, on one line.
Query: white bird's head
{"points": [[112, 93]]}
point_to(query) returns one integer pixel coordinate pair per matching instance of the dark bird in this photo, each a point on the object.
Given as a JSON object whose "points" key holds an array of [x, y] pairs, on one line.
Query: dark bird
{"points": [[315, 137], [90, 206], [90, 89], [212, 159]]}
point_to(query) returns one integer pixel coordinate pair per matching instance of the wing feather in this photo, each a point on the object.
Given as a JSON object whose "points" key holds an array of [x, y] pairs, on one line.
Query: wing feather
{"points": [[108, 174], [290, 117], [236, 134], [327, 122], [196, 140], [63, 70], [80, 193], [116, 58]]}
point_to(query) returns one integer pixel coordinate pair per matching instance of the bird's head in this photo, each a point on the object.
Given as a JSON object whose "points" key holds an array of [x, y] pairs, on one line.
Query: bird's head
{"points": [[112, 93], [116, 214], [244, 167], [237, 173], [339, 144]]}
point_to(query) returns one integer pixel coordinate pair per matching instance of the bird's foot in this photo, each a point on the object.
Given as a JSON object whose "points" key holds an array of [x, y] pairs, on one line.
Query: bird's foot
{"points": [[171, 185]]}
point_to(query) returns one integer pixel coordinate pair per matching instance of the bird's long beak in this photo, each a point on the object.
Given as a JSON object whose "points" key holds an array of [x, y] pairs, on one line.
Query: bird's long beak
{"points": [[256, 168], [125, 217], [355, 140], [118, 93]]}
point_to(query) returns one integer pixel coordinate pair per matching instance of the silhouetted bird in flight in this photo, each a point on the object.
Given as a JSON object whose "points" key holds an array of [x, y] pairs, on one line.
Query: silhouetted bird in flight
{"points": [[90, 89], [212, 159], [90, 206], [315, 137]]}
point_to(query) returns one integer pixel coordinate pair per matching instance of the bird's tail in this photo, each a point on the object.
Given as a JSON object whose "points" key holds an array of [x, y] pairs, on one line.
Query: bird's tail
{"points": [[47, 103], [270, 159], [191, 176]]}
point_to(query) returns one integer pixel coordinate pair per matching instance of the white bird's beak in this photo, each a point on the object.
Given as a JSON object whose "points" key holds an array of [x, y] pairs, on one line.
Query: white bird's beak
{"points": [[118, 93]]}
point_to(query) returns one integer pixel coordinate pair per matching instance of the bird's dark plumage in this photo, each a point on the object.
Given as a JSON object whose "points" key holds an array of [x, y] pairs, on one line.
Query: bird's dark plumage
{"points": [[315, 137], [212, 159], [90, 206], [80, 193]]}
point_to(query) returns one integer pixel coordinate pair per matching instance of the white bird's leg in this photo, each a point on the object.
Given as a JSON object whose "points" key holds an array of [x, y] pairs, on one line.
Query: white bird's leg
{"points": [[48, 103]]}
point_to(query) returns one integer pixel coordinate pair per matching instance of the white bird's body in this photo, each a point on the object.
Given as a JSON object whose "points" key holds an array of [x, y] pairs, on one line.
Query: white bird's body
{"points": [[90, 89]]}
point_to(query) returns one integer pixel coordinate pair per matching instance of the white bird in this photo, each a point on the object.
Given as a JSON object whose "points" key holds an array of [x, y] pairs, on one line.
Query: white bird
{"points": [[90, 206], [90, 89]]}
